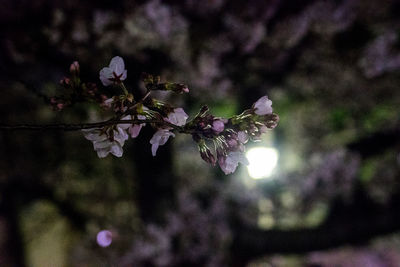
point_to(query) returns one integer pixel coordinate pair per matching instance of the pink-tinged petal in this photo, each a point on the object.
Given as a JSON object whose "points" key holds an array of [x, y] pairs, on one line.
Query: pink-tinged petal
{"points": [[243, 137], [178, 117], [125, 126], [263, 106], [154, 148], [116, 150], [159, 139], [102, 144], [104, 238], [124, 74], [108, 102], [263, 129], [105, 75], [117, 65], [93, 135], [134, 130], [102, 153], [165, 138], [229, 163], [156, 137], [226, 165], [238, 157], [218, 126], [120, 136]]}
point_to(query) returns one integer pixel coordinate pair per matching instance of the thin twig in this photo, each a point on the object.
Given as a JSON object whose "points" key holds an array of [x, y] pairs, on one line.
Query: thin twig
{"points": [[82, 126]]}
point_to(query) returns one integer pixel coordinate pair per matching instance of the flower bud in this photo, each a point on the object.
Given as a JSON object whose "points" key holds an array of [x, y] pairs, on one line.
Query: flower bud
{"points": [[207, 156], [147, 79], [66, 81], [218, 126], [178, 88], [205, 152], [74, 68], [262, 106]]}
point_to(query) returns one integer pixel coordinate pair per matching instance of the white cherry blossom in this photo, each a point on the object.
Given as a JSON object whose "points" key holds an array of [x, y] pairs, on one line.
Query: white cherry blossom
{"points": [[229, 163], [263, 106], [102, 143], [114, 73], [177, 117], [134, 129], [159, 139]]}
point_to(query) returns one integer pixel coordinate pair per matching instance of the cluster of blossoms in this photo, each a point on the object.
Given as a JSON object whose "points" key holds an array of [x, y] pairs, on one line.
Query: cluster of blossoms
{"points": [[228, 135], [76, 91]]}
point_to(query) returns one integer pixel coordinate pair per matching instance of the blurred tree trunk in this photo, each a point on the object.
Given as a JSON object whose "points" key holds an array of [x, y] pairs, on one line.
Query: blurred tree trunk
{"points": [[155, 181], [11, 251]]}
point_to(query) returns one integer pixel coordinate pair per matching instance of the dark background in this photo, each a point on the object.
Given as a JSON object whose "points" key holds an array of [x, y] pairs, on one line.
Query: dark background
{"points": [[331, 69]]}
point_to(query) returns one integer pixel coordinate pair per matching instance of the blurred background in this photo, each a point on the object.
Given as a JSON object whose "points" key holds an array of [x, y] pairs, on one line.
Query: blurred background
{"points": [[322, 188]]}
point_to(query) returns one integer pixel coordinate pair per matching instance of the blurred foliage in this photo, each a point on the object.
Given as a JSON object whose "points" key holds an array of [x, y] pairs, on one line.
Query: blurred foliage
{"points": [[330, 67]]}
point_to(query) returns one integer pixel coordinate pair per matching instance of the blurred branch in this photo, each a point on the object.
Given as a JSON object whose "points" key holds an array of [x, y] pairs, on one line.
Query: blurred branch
{"points": [[376, 142], [31, 191], [347, 225]]}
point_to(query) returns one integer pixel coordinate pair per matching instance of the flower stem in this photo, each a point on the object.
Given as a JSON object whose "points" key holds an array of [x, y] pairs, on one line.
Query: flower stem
{"points": [[124, 88]]}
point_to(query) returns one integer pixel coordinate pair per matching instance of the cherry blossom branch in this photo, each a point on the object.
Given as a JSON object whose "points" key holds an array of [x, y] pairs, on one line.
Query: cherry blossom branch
{"points": [[83, 126], [227, 135]]}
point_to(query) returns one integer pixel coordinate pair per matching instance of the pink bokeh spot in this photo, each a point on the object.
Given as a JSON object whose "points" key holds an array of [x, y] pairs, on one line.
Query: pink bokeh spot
{"points": [[104, 238]]}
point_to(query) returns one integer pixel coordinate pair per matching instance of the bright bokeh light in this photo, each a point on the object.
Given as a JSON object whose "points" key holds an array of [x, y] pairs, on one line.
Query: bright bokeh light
{"points": [[262, 161], [104, 238]]}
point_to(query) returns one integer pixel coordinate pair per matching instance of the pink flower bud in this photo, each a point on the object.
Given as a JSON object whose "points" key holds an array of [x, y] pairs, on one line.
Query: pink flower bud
{"points": [[65, 81], [74, 68], [207, 156], [263, 106], [218, 126], [60, 106], [185, 89]]}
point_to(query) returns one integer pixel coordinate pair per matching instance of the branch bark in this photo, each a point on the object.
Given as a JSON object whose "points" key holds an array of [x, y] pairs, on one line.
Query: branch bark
{"points": [[81, 126]]}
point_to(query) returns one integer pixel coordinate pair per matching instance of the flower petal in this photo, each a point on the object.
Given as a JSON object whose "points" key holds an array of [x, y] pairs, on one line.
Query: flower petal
{"points": [[154, 148], [242, 137], [102, 153], [117, 65], [116, 150], [93, 135], [125, 126], [134, 130], [120, 136], [105, 75], [263, 106], [218, 126], [124, 74], [159, 139], [178, 117]]}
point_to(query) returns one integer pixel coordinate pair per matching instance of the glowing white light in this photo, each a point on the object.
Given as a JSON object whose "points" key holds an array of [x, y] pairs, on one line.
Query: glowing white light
{"points": [[262, 161]]}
